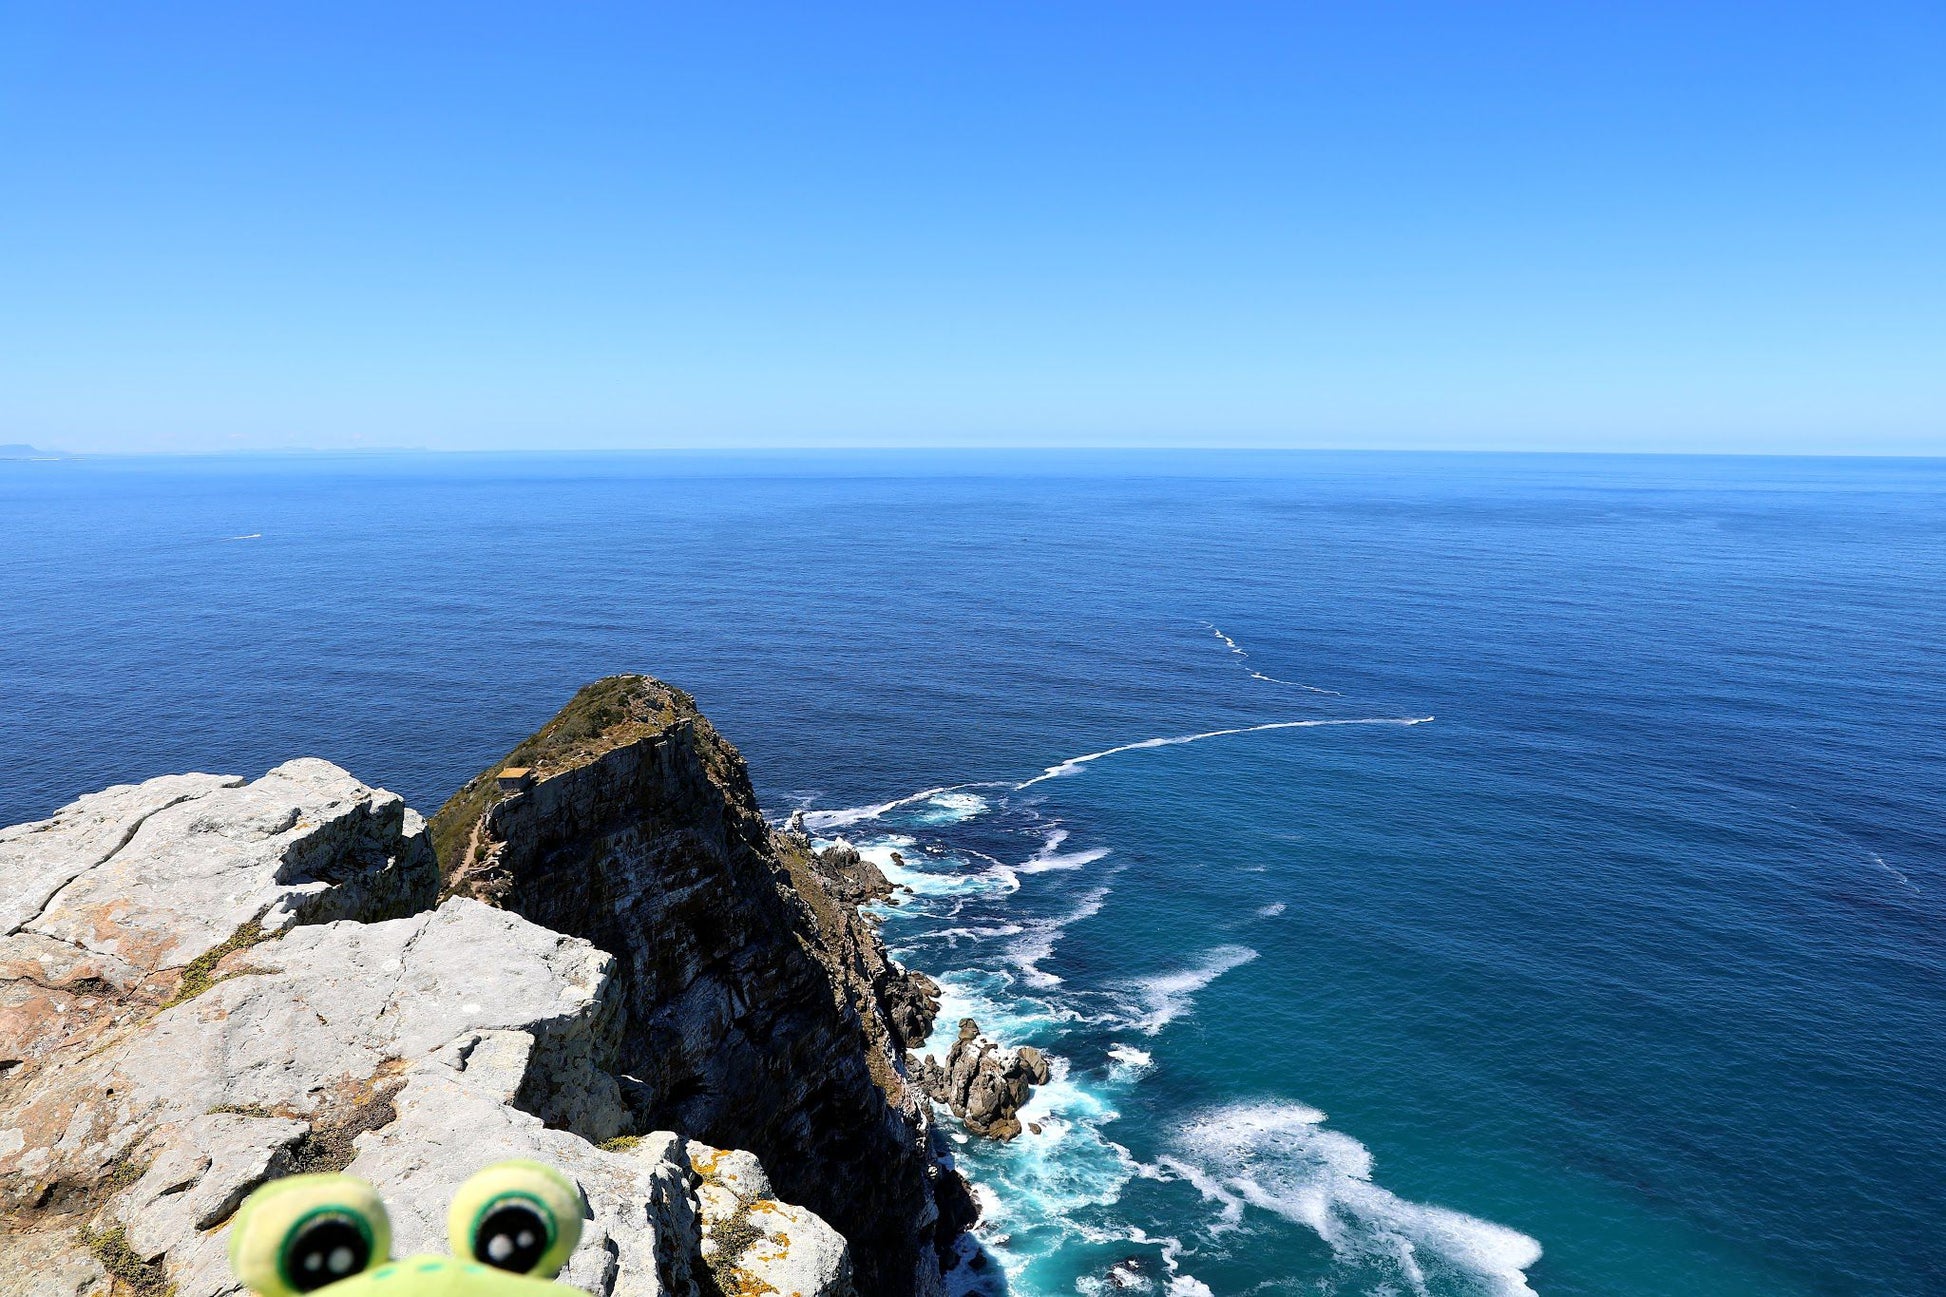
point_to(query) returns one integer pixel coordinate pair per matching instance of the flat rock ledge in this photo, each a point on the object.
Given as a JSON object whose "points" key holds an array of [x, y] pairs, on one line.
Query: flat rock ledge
{"points": [[983, 1084], [207, 982]]}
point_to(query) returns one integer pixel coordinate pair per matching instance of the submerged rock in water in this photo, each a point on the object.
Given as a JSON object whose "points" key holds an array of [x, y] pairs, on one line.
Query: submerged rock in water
{"points": [[983, 1084], [1133, 1274], [206, 983]]}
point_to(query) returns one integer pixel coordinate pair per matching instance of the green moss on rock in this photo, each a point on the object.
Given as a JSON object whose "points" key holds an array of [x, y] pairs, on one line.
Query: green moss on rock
{"points": [[129, 1275], [200, 973]]}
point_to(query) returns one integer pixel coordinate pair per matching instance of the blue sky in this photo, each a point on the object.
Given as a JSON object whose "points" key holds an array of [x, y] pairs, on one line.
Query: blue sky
{"points": [[1553, 225]]}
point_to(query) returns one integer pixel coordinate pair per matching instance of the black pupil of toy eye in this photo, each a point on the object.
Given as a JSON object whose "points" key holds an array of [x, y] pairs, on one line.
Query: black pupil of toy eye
{"points": [[326, 1250], [512, 1237]]}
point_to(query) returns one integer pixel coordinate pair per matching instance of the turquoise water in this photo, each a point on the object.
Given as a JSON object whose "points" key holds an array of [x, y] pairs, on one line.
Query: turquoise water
{"points": [[1621, 974]]}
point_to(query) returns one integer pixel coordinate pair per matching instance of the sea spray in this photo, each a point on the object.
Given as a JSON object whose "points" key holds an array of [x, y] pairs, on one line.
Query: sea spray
{"points": [[1066, 1206]]}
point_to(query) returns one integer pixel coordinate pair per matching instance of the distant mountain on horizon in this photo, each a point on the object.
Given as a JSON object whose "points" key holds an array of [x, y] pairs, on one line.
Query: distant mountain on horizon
{"points": [[21, 450]]}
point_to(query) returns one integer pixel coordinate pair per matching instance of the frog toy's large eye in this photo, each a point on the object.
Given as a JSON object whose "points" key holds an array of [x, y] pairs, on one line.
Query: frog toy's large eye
{"points": [[519, 1216], [299, 1234]]}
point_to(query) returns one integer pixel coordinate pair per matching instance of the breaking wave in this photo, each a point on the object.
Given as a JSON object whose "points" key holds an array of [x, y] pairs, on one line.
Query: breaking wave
{"points": [[1279, 1158], [1168, 996], [1050, 857]]}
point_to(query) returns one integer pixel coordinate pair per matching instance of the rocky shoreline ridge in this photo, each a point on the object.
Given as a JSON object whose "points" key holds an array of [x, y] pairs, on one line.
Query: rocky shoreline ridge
{"points": [[606, 960]]}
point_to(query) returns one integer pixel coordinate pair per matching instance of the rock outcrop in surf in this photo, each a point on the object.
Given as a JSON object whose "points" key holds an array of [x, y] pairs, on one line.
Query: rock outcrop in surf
{"points": [[983, 1084], [611, 964]]}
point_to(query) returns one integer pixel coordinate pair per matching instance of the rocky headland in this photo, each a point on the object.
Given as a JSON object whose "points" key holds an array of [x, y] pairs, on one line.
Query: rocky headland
{"points": [[609, 962]]}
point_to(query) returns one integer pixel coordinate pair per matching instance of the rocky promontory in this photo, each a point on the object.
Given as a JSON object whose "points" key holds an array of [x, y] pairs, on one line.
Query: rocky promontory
{"points": [[609, 963]]}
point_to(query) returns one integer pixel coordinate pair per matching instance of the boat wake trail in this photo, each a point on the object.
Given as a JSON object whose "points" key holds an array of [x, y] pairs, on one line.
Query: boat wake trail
{"points": [[1243, 660], [1073, 765]]}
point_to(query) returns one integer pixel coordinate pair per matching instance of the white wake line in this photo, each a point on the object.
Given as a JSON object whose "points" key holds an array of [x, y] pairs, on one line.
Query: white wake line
{"points": [[1073, 764], [1255, 674]]}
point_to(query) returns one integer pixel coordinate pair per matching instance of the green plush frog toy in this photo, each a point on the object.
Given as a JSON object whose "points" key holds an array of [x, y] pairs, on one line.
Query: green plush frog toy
{"points": [[512, 1227]]}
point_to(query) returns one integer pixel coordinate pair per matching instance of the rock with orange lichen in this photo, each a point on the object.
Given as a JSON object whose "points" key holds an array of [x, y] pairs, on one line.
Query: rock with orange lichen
{"points": [[755, 1245]]}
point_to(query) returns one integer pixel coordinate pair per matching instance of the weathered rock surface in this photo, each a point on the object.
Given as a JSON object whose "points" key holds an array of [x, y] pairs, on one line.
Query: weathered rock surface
{"points": [[202, 986], [909, 1001], [983, 1084], [105, 907], [759, 1009], [754, 1243]]}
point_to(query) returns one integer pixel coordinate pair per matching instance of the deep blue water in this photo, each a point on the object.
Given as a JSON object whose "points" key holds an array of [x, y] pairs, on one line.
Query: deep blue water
{"points": [[1625, 974]]}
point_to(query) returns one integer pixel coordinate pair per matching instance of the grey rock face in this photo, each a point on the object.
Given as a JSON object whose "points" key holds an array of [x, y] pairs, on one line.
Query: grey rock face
{"points": [[983, 1084], [248, 1009], [104, 907], [850, 877], [761, 1009]]}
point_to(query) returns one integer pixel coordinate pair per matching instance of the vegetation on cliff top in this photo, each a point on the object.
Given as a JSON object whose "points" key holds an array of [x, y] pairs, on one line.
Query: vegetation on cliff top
{"points": [[601, 717]]}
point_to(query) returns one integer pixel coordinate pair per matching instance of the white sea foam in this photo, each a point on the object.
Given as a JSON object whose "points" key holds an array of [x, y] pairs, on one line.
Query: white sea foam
{"points": [[1129, 1058], [1181, 1284], [989, 999], [1168, 996], [953, 936], [940, 876], [255, 535], [817, 821], [1270, 911], [952, 808], [1054, 1179], [948, 799], [1073, 765], [1050, 857], [1040, 936], [1279, 1158]]}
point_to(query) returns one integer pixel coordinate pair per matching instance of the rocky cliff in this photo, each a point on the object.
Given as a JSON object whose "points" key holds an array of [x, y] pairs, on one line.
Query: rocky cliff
{"points": [[757, 1007], [205, 983]]}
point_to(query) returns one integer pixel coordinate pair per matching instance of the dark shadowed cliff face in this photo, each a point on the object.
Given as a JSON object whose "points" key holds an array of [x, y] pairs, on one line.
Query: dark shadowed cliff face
{"points": [[760, 1009]]}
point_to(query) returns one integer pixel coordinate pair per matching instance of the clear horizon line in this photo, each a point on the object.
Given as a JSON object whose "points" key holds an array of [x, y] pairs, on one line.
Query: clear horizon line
{"points": [[45, 455]]}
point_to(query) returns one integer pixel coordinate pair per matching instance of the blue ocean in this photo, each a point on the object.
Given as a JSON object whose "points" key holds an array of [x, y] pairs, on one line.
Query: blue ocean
{"points": [[1430, 874]]}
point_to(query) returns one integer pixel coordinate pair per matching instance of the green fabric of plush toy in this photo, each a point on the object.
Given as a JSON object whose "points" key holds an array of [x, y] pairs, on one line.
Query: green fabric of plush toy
{"points": [[511, 1227]]}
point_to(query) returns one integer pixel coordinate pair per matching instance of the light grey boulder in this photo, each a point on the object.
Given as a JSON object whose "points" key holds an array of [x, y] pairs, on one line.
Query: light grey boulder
{"points": [[157, 873], [39, 859], [411, 1051], [752, 1242], [199, 1180]]}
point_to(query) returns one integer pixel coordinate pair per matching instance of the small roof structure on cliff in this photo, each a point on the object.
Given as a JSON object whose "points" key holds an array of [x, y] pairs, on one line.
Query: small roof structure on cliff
{"points": [[515, 778]]}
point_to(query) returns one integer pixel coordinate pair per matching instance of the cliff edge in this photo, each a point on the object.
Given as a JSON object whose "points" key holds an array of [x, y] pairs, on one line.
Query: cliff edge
{"points": [[612, 965], [758, 1009]]}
